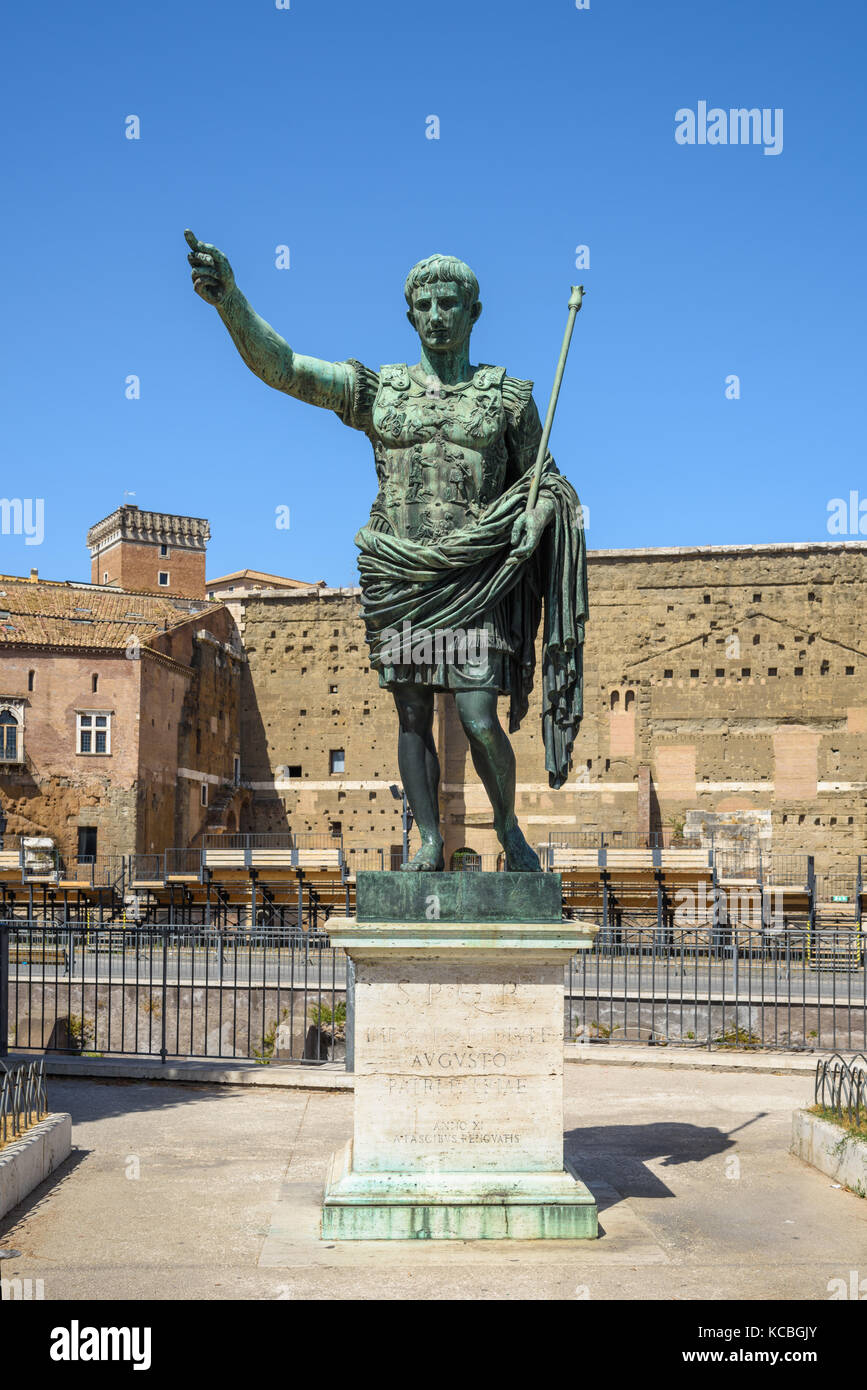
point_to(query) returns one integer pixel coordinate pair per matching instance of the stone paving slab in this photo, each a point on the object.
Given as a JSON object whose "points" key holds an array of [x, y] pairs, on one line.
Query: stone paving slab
{"points": [[197, 1192], [294, 1241]]}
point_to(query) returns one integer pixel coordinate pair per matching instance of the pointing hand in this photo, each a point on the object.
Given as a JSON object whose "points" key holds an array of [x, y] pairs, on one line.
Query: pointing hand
{"points": [[212, 275]]}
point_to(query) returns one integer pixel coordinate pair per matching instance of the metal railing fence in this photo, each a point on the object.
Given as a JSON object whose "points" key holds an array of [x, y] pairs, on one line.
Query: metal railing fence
{"points": [[836, 888], [841, 1086], [278, 993], [173, 991], [620, 839], [477, 863], [723, 986], [282, 839], [361, 858], [23, 1101], [183, 863]]}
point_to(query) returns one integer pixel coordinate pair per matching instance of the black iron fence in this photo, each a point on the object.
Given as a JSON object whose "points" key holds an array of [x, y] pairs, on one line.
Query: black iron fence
{"points": [[280, 993], [841, 1086], [23, 1100], [163, 990], [720, 986]]}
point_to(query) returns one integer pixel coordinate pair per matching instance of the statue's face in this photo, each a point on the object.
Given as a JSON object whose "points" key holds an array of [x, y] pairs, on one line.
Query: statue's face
{"points": [[441, 316]]}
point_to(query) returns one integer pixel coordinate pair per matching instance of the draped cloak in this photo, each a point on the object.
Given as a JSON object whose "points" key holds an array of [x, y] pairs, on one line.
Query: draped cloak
{"points": [[450, 584]]}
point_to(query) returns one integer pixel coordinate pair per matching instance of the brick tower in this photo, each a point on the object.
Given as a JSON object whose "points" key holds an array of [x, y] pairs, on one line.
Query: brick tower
{"points": [[150, 552]]}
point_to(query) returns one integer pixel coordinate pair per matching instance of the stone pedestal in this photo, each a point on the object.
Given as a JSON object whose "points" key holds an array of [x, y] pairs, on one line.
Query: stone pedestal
{"points": [[458, 1062]]}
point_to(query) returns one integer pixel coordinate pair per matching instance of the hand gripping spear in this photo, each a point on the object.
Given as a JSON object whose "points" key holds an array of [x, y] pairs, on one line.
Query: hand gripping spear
{"points": [[575, 300]]}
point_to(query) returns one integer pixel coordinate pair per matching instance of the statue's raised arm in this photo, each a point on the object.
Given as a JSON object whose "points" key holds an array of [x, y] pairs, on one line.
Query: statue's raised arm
{"points": [[264, 351]]}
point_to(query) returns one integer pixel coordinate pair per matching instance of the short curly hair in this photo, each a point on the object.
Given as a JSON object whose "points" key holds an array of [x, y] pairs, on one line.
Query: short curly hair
{"points": [[439, 268]]}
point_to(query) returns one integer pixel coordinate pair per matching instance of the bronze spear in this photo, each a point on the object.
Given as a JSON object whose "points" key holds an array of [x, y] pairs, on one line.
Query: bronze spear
{"points": [[575, 300]]}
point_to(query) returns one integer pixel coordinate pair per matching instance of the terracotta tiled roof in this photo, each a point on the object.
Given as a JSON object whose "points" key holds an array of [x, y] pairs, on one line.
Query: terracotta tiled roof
{"points": [[64, 615], [255, 576]]}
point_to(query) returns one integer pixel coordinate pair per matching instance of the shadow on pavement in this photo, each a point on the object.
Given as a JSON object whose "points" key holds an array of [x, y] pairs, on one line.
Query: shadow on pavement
{"points": [[617, 1154]]}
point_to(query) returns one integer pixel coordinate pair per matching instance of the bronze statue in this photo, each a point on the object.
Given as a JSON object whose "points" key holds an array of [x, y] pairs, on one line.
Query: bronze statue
{"points": [[461, 538]]}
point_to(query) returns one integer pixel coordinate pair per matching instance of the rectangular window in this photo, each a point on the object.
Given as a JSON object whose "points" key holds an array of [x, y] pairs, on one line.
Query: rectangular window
{"points": [[164, 550], [164, 579], [294, 770], [337, 760], [204, 793], [94, 733], [8, 738], [236, 770]]}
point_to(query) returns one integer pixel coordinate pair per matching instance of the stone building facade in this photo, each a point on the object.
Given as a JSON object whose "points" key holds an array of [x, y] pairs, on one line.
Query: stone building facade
{"points": [[725, 683], [122, 717]]}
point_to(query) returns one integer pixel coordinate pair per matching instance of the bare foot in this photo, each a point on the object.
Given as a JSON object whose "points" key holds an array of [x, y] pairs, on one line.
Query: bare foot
{"points": [[429, 858], [519, 855]]}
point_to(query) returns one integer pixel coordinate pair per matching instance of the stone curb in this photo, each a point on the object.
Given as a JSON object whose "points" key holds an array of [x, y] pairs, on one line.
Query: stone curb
{"points": [[28, 1161], [331, 1076], [692, 1059], [826, 1146]]}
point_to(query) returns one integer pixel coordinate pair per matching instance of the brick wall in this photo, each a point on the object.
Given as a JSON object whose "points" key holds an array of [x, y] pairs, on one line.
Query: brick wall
{"points": [[136, 566]]}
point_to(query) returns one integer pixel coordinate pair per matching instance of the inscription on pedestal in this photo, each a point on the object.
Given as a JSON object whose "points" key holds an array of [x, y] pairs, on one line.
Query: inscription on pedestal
{"points": [[457, 1066]]}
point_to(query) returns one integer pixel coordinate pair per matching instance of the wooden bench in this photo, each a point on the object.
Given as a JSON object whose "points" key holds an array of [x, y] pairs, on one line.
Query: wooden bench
{"points": [[37, 955]]}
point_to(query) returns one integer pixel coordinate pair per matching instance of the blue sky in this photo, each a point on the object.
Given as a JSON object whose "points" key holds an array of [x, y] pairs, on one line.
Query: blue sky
{"points": [[306, 127]]}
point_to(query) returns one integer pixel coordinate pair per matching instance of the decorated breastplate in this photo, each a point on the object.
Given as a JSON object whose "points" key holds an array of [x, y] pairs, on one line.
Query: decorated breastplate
{"points": [[440, 451]]}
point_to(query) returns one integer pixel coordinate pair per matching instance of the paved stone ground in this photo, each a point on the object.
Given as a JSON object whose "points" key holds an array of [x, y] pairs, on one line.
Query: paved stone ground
{"points": [[183, 1191]]}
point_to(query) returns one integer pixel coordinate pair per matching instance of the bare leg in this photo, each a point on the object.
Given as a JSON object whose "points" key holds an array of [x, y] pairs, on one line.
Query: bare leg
{"points": [[420, 770], [494, 761]]}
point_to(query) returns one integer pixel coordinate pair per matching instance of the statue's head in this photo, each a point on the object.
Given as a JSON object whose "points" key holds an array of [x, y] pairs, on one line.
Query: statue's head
{"points": [[443, 297]]}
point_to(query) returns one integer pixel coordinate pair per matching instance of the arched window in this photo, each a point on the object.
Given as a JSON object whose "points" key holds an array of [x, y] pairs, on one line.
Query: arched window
{"points": [[629, 699], [8, 737], [466, 858], [615, 699]]}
